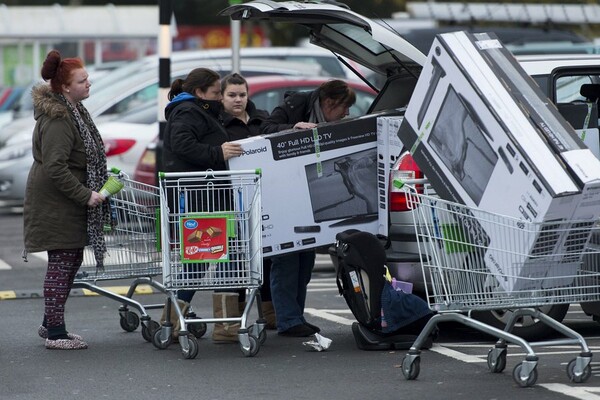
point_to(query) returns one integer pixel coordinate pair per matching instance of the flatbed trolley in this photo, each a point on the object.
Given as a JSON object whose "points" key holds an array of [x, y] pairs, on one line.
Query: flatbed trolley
{"points": [[475, 260], [133, 252], [211, 231]]}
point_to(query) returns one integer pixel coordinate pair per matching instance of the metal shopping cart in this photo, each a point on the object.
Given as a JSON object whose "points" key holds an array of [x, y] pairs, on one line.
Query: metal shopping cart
{"points": [[133, 253], [211, 239], [475, 260]]}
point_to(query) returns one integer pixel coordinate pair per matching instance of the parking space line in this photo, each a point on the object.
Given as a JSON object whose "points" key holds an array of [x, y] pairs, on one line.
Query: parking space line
{"points": [[4, 265], [443, 350], [577, 392], [329, 315]]}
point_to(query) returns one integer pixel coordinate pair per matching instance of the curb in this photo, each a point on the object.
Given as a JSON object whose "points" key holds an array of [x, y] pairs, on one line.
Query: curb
{"points": [[39, 293]]}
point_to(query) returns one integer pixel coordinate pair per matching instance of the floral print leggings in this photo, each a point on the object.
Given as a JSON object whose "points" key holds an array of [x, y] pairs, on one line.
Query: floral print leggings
{"points": [[62, 268]]}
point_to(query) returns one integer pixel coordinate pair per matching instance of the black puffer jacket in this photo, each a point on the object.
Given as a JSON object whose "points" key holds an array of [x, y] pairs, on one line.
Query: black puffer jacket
{"points": [[193, 135], [237, 129], [296, 107]]}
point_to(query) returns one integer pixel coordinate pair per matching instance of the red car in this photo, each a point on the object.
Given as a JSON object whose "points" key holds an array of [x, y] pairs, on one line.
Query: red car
{"points": [[267, 93]]}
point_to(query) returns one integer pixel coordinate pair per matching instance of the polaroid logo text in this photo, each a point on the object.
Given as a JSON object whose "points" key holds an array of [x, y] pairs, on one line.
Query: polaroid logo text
{"points": [[254, 151]]}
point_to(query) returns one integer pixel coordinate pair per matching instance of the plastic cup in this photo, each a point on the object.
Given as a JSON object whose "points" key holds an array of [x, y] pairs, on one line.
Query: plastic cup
{"points": [[111, 187]]}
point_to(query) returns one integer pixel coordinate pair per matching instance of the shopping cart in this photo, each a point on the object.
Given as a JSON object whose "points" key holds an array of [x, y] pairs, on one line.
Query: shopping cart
{"points": [[475, 260], [211, 239], [133, 253]]}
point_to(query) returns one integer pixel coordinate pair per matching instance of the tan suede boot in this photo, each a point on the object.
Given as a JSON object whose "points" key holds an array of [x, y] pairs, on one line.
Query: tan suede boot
{"points": [[268, 312], [225, 305], [174, 318]]}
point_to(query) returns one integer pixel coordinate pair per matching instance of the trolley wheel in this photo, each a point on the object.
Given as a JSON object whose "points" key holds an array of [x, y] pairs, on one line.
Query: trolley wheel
{"points": [[496, 364], [198, 329], [148, 330], [529, 381], [262, 336], [192, 352], [254, 347], [129, 321], [159, 344], [411, 369], [585, 375]]}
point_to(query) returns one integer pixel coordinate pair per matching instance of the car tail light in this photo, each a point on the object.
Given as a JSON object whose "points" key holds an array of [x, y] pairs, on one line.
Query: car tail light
{"points": [[114, 147], [404, 169], [145, 171]]}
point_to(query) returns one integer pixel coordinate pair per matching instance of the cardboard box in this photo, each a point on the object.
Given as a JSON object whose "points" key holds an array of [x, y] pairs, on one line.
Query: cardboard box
{"points": [[485, 136], [389, 148], [315, 183]]}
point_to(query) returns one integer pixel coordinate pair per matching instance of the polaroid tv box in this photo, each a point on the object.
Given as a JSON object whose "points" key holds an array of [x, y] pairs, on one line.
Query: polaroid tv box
{"points": [[479, 145], [389, 148], [315, 183]]}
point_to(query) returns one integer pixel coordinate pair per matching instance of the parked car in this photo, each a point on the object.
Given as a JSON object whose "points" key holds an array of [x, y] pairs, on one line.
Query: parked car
{"points": [[266, 92], [399, 64], [127, 92]]}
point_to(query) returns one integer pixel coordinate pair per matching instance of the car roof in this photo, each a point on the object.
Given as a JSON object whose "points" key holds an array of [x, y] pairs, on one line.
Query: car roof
{"points": [[279, 81], [121, 88], [340, 30], [544, 64]]}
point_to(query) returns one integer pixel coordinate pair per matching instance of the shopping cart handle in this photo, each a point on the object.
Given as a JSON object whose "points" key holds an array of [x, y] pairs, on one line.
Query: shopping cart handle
{"points": [[115, 170]]}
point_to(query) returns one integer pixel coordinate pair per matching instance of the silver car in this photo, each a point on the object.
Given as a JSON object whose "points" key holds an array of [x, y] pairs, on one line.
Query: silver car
{"points": [[126, 92]]}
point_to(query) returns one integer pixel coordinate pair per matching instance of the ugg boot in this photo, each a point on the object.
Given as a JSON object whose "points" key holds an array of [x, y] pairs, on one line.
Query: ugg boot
{"points": [[225, 305], [174, 318], [268, 312]]}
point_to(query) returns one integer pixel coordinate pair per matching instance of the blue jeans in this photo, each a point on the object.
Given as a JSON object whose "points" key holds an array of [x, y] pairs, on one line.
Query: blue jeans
{"points": [[290, 275]]}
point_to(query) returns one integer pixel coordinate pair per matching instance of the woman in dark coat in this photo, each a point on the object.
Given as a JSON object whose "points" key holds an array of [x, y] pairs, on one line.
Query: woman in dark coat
{"points": [[291, 272], [63, 209]]}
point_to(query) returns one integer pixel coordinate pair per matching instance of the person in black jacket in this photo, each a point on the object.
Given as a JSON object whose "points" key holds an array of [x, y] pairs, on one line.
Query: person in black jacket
{"points": [[195, 140], [291, 272], [242, 119]]}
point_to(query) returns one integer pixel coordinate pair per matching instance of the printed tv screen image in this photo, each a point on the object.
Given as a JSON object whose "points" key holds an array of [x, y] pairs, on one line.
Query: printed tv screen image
{"points": [[344, 188], [459, 140]]}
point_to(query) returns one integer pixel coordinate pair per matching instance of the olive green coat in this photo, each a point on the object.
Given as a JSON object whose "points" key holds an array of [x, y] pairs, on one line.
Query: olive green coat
{"points": [[55, 207]]}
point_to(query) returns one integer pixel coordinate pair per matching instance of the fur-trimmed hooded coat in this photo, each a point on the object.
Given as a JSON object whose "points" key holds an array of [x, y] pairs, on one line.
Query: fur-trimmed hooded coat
{"points": [[55, 207]]}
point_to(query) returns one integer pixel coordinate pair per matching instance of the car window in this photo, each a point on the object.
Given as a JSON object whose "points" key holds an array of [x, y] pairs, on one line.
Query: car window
{"points": [[567, 88], [134, 101], [269, 99]]}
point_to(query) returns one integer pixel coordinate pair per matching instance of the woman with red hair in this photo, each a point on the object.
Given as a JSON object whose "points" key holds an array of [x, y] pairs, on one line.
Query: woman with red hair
{"points": [[63, 209]]}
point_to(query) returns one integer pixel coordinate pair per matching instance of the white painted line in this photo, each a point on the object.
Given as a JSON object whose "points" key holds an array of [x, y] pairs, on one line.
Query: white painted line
{"points": [[577, 392], [329, 316], [4, 265], [457, 354], [43, 255]]}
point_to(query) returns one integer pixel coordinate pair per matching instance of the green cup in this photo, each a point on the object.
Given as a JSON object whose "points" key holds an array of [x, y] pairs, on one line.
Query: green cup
{"points": [[111, 187]]}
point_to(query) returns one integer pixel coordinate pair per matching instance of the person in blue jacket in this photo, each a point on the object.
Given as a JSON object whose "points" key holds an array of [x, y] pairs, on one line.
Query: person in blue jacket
{"points": [[196, 140]]}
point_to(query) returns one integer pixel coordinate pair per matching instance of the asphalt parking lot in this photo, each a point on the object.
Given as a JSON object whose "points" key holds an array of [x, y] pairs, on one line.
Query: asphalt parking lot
{"points": [[123, 365]]}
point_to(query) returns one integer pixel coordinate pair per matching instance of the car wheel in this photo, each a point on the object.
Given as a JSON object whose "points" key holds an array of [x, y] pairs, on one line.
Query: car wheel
{"points": [[527, 327]]}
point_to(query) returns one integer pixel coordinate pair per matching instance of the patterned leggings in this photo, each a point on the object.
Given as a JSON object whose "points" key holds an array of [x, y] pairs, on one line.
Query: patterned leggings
{"points": [[62, 268]]}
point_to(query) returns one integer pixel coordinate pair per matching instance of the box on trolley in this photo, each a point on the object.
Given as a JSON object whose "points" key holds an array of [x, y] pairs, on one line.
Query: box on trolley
{"points": [[486, 136]]}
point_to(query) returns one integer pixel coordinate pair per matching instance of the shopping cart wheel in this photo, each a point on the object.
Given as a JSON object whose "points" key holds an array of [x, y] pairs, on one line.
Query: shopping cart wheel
{"points": [[129, 321], [411, 367], [262, 336], [158, 341], [529, 380], [148, 329], [581, 377], [198, 329], [496, 360], [192, 350], [252, 349]]}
